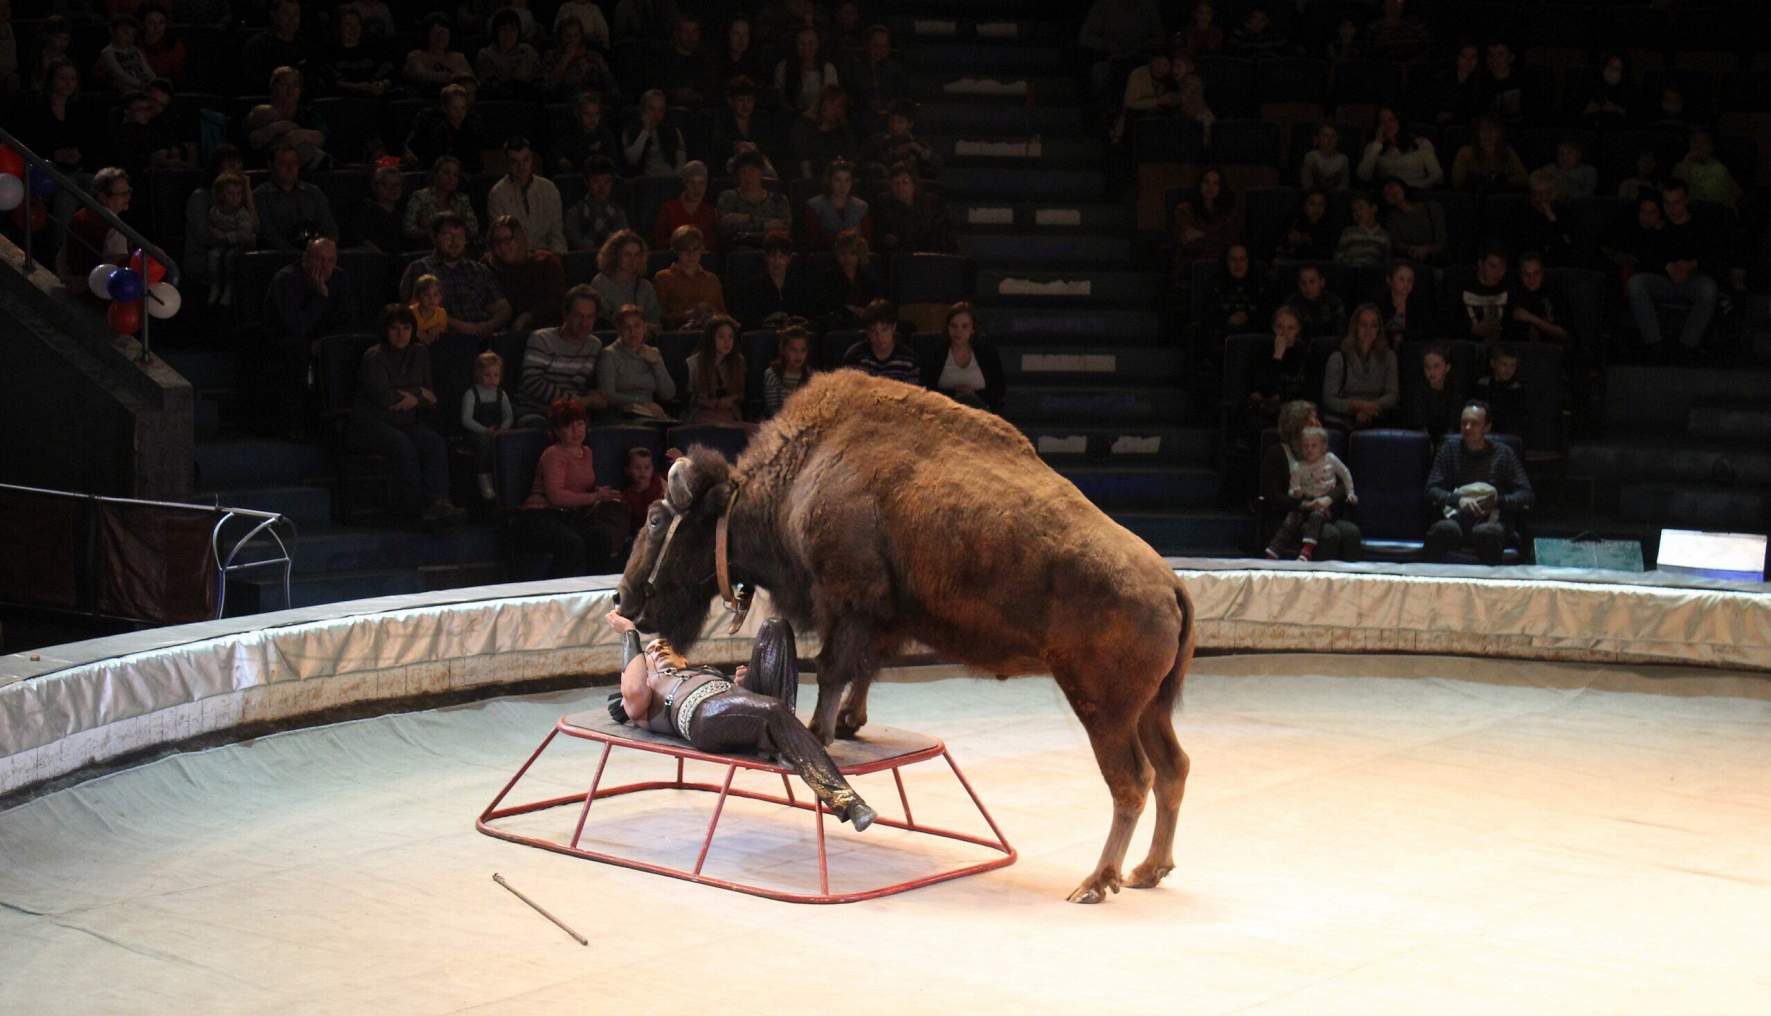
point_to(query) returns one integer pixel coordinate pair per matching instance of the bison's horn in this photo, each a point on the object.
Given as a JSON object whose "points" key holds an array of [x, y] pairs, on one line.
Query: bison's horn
{"points": [[679, 488]]}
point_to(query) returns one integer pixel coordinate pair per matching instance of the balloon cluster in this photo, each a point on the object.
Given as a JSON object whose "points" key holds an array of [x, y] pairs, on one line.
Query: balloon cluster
{"points": [[131, 289], [30, 215]]}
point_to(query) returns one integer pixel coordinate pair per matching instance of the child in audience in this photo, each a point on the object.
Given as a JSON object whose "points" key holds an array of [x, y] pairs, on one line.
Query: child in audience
{"points": [[1318, 311], [427, 307], [1537, 306], [485, 411], [1437, 406], [233, 227], [644, 486], [1311, 236], [899, 143], [593, 219], [789, 371], [1504, 392], [1325, 166], [1364, 242], [1239, 299], [1313, 477], [1574, 178]]}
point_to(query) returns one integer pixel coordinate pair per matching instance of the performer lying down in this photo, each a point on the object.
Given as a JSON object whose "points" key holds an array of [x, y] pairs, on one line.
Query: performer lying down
{"points": [[752, 712]]}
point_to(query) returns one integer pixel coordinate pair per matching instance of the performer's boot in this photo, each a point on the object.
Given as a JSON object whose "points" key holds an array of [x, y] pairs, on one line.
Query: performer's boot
{"points": [[774, 664], [801, 749]]}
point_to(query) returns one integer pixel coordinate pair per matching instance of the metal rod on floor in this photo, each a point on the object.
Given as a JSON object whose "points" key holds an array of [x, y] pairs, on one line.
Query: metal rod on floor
{"points": [[540, 910]]}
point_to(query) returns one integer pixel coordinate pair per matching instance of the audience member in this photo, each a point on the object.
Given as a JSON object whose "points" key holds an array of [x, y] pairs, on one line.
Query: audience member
{"points": [[590, 21], [824, 137], [141, 143], [572, 66], [1704, 175], [1545, 226], [779, 295], [291, 211], [1311, 235], [1396, 153], [225, 159], [1315, 477], [1364, 243], [1417, 229], [1280, 376], [394, 388], [428, 310], [1405, 309], [284, 121], [1573, 178], [1611, 98], [1397, 36], [1503, 88], [804, 73], [690, 208], [279, 45], [1202, 35], [1325, 166], [1636, 241], [508, 67], [528, 197], [585, 138], [1339, 536], [717, 375], [359, 63], [736, 59], [307, 300], [1192, 106], [1488, 163], [1538, 308], [1239, 301], [1672, 111], [1435, 405], [652, 147], [876, 77], [644, 486], [879, 352], [232, 229], [1677, 273], [1647, 179], [740, 130], [910, 222], [534, 281], [1457, 96], [1114, 33], [679, 68], [1360, 387], [836, 209], [443, 195], [1478, 487], [1319, 311], [581, 525], [1257, 38], [631, 374], [968, 369], [790, 369], [476, 305], [620, 279], [485, 413], [121, 64], [851, 285], [749, 213], [1151, 87], [96, 241], [1206, 221], [435, 64], [165, 52], [560, 362], [1479, 309], [1503, 391], [451, 128], [688, 294], [377, 224], [595, 217], [1345, 44], [643, 19], [899, 143]]}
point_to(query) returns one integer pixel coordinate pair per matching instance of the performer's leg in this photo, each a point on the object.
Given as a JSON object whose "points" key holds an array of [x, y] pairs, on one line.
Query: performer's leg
{"points": [[739, 720], [774, 664]]}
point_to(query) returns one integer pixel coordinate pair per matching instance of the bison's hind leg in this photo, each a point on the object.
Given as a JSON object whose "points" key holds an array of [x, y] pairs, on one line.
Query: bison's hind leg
{"points": [[1156, 736], [1111, 723], [846, 656]]}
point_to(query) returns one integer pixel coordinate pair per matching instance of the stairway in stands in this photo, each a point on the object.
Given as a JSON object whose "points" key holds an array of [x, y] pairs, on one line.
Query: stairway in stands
{"points": [[331, 562], [1095, 367]]}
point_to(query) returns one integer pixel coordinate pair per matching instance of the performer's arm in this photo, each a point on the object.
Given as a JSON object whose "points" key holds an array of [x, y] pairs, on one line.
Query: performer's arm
{"points": [[636, 695]]}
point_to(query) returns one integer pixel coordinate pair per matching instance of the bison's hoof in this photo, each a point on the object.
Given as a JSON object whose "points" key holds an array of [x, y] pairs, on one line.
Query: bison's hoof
{"points": [[1095, 890], [848, 725], [1148, 876]]}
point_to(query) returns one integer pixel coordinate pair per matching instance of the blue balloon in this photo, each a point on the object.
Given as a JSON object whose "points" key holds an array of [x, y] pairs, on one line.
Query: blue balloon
{"points": [[126, 285], [42, 184]]}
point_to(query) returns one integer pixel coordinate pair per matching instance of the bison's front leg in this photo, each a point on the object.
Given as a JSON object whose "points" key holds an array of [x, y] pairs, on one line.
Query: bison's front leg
{"points": [[853, 715], [845, 656]]}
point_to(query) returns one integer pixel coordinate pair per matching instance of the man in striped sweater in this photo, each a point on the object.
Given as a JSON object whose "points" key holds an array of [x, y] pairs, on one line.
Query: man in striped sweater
{"points": [[1475, 488], [560, 363]]}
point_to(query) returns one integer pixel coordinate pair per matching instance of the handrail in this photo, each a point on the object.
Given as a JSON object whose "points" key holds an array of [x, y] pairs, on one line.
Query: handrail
{"points": [[225, 565], [36, 164]]}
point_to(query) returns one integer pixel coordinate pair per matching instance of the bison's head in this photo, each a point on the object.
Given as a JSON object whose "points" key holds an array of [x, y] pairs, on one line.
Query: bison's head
{"points": [[669, 583]]}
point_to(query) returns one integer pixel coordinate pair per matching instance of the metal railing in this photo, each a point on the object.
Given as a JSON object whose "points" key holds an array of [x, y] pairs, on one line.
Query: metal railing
{"points": [[35, 166]]}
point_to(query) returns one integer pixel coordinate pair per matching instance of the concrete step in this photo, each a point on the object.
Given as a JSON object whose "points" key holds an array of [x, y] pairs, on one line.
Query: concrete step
{"points": [[253, 594], [1189, 533], [993, 21], [1696, 506], [1723, 422], [1092, 328], [1119, 364], [1134, 444], [240, 462], [205, 419], [986, 215], [208, 370], [1619, 461], [1656, 397], [1025, 184], [1073, 252], [309, 506], [1099, 405], [970, 86], [339, 549], [1052, 151], [1069, 288], [983, 57], [1146, 488]]}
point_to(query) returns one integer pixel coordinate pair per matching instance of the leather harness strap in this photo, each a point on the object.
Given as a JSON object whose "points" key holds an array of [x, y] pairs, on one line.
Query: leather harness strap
{"points": [[738, 603]]}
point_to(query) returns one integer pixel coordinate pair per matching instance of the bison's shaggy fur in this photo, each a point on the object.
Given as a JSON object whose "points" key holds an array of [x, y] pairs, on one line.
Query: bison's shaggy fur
{"points": [[880, 513]]}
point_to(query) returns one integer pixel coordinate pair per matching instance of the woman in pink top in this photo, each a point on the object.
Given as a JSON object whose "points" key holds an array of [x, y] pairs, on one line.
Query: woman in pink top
{"points": [[582, 526]]}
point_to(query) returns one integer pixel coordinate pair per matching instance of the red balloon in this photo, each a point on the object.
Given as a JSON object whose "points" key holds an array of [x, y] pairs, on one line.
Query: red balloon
{"points": [[11, 162], [155, 271], [125, 318]]}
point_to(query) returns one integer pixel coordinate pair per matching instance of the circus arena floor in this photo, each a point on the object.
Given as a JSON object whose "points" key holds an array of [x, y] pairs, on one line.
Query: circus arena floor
{"points": [[1361, 834]]}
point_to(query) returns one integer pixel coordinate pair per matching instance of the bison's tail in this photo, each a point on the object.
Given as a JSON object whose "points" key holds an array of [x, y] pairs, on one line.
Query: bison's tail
{"points": [[1178, 673]]}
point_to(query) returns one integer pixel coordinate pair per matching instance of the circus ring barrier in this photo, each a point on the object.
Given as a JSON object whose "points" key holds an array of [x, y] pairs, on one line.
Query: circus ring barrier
{"points": [[69, 710]]}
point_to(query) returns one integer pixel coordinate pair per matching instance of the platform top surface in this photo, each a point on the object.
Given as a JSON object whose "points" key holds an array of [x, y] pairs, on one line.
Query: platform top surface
{"points": [[876, 743]]}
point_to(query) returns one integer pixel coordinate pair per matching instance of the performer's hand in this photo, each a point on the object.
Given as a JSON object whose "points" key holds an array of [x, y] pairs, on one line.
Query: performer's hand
{"points": [[617, 622], [617, 711], [741, 673]]}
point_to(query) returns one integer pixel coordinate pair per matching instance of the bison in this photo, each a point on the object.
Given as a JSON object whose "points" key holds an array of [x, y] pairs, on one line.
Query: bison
{"points": [[879, 513]]}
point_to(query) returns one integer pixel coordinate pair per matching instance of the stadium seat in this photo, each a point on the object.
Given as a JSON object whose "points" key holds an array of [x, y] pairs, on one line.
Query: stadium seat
{"points": [[1290, 79], [646, 195], [1697, 86], [834, 345], [924, 286], [1230, 85], [1377, 82], [1252, 142], [1389, 470], [253, 272], [352, 122], [371, 283], [506, 119], [676, 348], [169, 190], [1267, 214], [759, 351], [364, 488], [515, 455]]}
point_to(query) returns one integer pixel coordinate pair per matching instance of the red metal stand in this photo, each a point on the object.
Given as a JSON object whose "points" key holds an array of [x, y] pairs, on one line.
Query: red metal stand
{"points": [[586, 727]]}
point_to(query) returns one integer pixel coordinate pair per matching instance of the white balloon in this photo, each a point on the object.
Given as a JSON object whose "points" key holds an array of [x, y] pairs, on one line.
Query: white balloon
{"points": [[12, 192], [163, 300], [99, 280]]}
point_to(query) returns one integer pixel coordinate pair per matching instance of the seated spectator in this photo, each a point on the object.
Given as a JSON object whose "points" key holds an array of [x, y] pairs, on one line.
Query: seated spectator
{"points": [[142, 144], [485, 413], [291, 211], [359, 63], [1315, 477], [899, 143], [1704, 175], [1345, 44], [876, 78], [508, 67], [165, 51], [232, 229], [224, 160], [174, 121], [1281, 376], [560, 362], [279, 45], [1677, 272], [1457, 95], [1501, 388], [1435, 406], [1311, 236], [378, 17], [737, 59], [1406, 310], [1192, 106], [716, 375], [968, 368], [587, 138], [1325, 166], [1319, 311], [590, 21], [451, 128], [620, 279], [836, 209], [679, 69], [749, 213], [582, 526], [1647, 179], [740, 130], [823, 137], [1339, 536], [1207, 221], [53, 44], [308, 300], [644, 486], [1239, 299], [910, 222], [1256, 38], [1360, 387], [880, 353], [428, 310], [1417, 228], [95, 241], [1671, 112], [1479, 488], [1151, 87], [1397, 154], [779, 295], [1479, 310], [790, 369], [1504, 91], [690, 208], [1538, 308], [1637, 241], [1202, 35], [284, 120], [1488, 164], [572, 66], [1611, 99], [688, 294], [804, 74], [595, 217], [377, 224], [394, 397], [1545, 226], [528, 197], [1364, 243], [121, 64], [435, 64], [1573, 178], [63, 130], [1397, 36], [476, 305], [652, 147], [443, 195], [631, 374], [534, 281], [851, 287]]}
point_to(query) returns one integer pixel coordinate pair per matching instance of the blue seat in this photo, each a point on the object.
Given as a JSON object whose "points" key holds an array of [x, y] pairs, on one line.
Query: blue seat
{"points": [[516, 453], [1248, 142], [759, 351], [932, 278], [1288, 79], [1389, 470], [676, 348], [609, 447], [1377, 82], [835, 344], [1230, 82], [728, 441]]}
